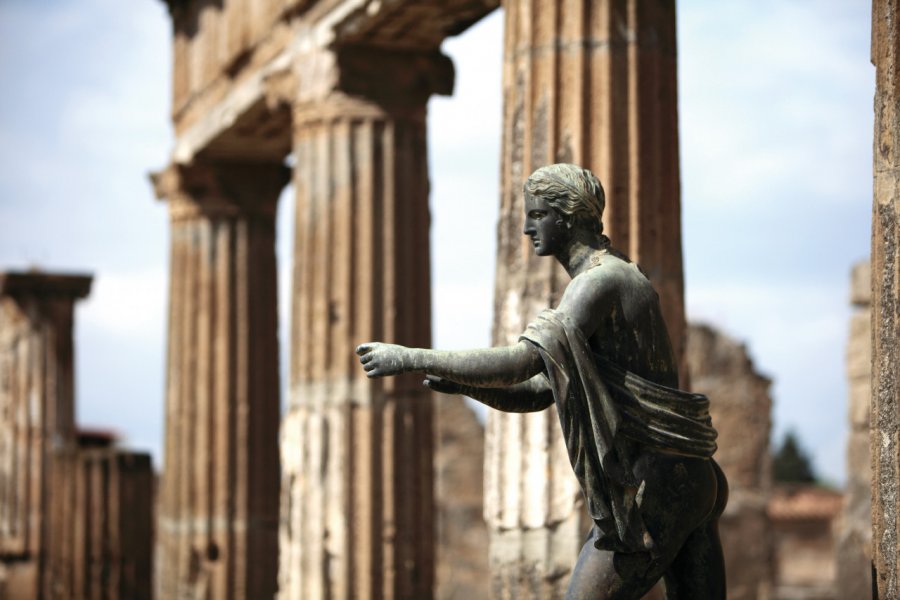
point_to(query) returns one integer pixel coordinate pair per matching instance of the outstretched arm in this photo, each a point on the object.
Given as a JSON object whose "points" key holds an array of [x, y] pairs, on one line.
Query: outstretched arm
{"points": [[529, 396], [491, 367]]}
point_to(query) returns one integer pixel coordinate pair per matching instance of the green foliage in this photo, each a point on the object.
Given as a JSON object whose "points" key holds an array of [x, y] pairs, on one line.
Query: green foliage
{"points": [[791, 464]]}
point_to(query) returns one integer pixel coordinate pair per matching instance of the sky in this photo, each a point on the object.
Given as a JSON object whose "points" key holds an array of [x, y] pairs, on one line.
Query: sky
{"points": [[775, 117]]}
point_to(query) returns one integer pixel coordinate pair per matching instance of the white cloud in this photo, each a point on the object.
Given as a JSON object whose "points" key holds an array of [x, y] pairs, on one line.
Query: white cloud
{"points": [[774, 99], [130, 305], [463, 315]]}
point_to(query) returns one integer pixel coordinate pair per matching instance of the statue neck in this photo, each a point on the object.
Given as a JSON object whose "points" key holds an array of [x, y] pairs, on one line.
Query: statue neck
{"points": [[578, 254]]}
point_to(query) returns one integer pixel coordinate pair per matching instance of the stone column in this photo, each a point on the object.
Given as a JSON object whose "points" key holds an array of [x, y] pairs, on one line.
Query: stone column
{"points": [[885, 420], [357, 508], [218, 503], [592, 83], [37, 414]]}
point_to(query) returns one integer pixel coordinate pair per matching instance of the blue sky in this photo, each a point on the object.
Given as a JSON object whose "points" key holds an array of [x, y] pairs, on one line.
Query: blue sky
{"points": [[776, 128]]}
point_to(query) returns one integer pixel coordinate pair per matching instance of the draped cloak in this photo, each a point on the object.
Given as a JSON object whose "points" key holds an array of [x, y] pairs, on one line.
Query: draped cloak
{"points": [[601, 408]]}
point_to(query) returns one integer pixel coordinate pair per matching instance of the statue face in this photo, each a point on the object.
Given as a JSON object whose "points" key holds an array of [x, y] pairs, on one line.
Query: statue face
{"points": [[544, 225]]}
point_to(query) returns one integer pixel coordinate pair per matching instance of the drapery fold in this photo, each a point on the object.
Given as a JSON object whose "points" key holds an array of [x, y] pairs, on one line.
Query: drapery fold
{"points": [[605, 413]]}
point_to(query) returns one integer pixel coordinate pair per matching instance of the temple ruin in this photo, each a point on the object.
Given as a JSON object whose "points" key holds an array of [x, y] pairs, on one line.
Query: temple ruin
{"points": [[336, 497]]}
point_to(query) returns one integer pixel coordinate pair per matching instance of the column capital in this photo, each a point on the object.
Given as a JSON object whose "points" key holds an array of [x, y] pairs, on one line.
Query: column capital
{"points": [[362, 81], [395, 79], [40, 283], [220, 188]]}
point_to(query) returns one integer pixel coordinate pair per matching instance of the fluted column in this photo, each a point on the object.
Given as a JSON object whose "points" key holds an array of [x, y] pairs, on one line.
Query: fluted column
{"points": [[885, 408], [593, 83], [218, 507], [358, 507], [37, 415]]}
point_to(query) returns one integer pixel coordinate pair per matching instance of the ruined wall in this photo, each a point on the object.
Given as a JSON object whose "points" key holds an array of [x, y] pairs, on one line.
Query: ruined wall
{"points": [[885, 417], [741, 412], [854, 531]]}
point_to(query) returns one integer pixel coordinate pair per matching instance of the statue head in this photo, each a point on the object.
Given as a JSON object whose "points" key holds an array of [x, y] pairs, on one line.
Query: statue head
{"points": [[561, 200]]}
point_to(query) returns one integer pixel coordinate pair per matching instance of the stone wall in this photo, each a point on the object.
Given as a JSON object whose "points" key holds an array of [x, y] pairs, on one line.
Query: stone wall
{"points": [[854, 531], [741, 411], [885, 418]]}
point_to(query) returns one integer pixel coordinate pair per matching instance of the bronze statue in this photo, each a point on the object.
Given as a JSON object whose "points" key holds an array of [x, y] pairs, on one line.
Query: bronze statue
{"points": [[639, 446]]}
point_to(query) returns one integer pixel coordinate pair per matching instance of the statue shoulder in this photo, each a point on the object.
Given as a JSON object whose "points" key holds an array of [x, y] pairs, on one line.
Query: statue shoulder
{"points": [[609, 272], [591, 294]]}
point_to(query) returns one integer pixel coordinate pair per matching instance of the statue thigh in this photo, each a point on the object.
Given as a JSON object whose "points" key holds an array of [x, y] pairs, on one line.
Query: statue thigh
{"points": [[682, 516]]}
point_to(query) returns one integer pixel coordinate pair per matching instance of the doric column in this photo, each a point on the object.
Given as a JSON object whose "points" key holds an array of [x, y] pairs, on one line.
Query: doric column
{"points": [[37, 414], [357, 507], [591, 83], [218, 503], [885, 409]]}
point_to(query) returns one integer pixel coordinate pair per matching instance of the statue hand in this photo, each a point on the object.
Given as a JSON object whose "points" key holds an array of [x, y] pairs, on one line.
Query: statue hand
{"points": [[444, 386], [381, 360]]}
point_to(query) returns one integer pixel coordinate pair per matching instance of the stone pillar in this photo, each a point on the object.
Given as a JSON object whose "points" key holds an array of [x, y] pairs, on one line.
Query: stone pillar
{"points": [[358, 507], [37, 414], [218, 508], [885, 419], [592, 83]]}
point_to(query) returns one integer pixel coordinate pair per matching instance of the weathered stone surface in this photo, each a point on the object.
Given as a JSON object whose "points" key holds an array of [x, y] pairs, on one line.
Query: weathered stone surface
{"points": [[854, 530], [885, 417], [594, 84], [740, 407], [218, 512], [462, 555]]}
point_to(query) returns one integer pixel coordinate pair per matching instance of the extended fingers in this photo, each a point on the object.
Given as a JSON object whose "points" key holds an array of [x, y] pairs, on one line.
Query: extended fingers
{"points": [[438, 384]]}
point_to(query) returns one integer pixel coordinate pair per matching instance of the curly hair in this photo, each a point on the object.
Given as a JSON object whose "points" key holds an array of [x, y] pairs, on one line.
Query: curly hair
{"points": [[572, 191]]}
